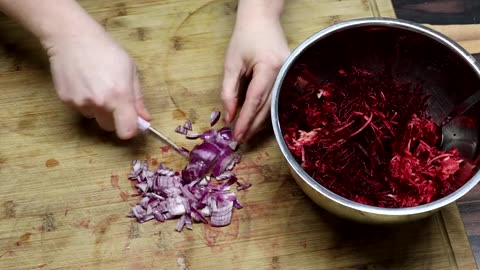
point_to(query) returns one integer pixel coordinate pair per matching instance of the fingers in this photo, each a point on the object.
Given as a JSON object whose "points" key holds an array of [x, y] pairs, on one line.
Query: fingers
{"points": [[257, 95], [260, 121], [105, 119], [125, 117], [87, 111], [139, 105], [120, 113], [230, 85]]}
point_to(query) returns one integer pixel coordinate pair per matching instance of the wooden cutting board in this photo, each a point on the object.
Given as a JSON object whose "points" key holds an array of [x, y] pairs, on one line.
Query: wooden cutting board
{"points": [[65, 194]]}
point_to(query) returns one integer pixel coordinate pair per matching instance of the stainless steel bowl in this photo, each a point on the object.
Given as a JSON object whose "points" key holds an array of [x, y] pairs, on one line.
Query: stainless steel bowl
{"points": [[448, 72]]}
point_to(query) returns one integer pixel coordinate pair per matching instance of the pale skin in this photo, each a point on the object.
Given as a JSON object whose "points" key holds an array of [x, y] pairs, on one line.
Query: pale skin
{"points": [[95, 75], [257, 49]]}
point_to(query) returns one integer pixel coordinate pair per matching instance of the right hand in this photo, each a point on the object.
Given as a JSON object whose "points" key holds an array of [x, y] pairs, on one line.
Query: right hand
{"points": [[94, 74]]}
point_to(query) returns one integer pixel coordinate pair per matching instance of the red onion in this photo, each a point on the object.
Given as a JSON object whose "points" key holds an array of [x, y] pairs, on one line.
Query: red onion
{"points": [[190, 195], [244, 186], [193, 136], [181, 130], [188, 125], [214, 117]]}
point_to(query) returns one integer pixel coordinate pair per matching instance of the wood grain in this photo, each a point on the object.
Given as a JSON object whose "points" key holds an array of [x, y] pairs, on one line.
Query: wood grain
{"points": [[469, 207], [64, 192]]}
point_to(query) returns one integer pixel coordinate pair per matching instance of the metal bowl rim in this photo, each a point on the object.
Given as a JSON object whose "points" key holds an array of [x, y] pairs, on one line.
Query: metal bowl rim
{"points": [[389, 22]]}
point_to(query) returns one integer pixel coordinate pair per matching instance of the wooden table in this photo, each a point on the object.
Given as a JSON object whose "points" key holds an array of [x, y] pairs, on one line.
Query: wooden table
{"points": [[65, 193]]}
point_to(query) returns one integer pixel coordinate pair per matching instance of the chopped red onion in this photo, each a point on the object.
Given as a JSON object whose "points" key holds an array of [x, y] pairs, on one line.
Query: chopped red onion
{"points": [[137, 165], [142, 187], [180, 223], [188, 125], [237, 204], [222, 213], [189, 194], [233, 145], [214, 117], [193, 136], [225, 176], [209, 135], [184, 151], [234, 162], [188, 222], [206, 211], [186, 192], [181, 130], [244, 186], [222, 163]]}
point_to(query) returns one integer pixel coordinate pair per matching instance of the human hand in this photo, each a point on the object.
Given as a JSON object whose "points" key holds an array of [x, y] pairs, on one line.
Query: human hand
{"points": [[258, 48], [93, 74]]}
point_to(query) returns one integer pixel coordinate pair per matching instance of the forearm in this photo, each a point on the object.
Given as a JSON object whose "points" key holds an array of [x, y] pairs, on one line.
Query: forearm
{"points": [[259, 9], [50, 20]]}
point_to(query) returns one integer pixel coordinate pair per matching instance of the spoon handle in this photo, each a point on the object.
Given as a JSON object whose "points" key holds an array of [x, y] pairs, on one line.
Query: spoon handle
{"points": [[463, 107]]}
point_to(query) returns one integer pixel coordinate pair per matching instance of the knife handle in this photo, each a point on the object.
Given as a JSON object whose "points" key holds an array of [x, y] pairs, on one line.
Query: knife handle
{"points": [[143, 124]]}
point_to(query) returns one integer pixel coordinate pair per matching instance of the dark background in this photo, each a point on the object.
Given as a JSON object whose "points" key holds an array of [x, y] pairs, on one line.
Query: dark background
{"points": [[439, 11]]}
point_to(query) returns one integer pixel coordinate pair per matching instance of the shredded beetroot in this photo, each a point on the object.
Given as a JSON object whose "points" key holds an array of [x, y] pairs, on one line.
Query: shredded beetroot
{"points": [[190, 195], [367, 137]]}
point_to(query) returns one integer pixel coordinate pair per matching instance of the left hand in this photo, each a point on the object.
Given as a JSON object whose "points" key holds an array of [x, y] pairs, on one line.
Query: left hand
{"points": [[258, 48]]}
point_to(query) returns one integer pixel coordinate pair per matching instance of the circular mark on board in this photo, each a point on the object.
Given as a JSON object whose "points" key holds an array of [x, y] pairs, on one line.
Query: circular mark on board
{"points": [[194, 64]]}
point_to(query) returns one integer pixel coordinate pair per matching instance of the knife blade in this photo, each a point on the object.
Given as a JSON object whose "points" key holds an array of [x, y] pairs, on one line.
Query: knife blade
{"points": [[144, 125]]}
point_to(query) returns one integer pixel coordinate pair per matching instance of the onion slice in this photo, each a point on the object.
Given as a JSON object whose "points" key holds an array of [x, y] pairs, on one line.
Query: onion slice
{"points": [[193, 136], [214, 117], [244, 186], [181, 130], [188, 125]]}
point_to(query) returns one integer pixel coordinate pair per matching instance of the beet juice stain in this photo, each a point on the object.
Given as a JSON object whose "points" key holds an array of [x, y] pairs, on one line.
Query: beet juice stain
{"points": [[367, 138]]}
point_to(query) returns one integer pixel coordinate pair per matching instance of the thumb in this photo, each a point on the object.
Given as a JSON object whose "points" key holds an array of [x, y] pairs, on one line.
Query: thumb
{"points": [[125, 118], [139, 104]]}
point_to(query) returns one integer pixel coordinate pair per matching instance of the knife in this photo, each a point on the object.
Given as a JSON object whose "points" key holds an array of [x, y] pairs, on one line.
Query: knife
{"points": [[146, 126]]}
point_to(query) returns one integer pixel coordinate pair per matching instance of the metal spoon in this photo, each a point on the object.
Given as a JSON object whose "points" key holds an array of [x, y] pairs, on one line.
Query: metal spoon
{"points": [[461, 131]]}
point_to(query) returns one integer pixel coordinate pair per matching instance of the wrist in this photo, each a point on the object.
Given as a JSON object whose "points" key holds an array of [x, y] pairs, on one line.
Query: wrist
{"points": [[267, 10]]}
